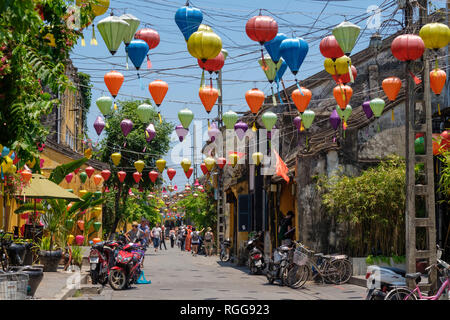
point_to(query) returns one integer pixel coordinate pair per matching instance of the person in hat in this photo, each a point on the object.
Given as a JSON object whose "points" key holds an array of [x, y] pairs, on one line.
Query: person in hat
{"points": [[135, 234], [209, 241]]}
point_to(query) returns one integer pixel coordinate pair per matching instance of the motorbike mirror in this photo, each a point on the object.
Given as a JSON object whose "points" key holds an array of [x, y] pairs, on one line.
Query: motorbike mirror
{"points": [[439, 253]]}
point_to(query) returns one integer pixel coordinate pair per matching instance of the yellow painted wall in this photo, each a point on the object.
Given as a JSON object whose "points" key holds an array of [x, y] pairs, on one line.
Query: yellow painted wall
{"points": [[288, 202]]}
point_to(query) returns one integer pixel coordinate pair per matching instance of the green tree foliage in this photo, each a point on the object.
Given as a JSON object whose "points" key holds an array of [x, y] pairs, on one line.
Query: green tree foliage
{"points": [[201, 210], [135, 143], [372, 205], [444, 181], [32, 71]]}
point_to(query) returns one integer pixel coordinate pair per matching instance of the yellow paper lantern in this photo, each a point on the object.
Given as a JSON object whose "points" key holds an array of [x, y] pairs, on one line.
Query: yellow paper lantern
{"points": [[7, 164], [435, 35], [257, 157], [185, 164], [339, 66], [139, 165], [115, 157], [88, 153], [82, 193], [210, 163], [161, 164], [204, 45], [70, 239], [13, 169], [234, 158]]}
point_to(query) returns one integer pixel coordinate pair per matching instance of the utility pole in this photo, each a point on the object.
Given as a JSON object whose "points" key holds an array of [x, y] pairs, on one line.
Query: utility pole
{"points": [[415, 191], [220, 192]]}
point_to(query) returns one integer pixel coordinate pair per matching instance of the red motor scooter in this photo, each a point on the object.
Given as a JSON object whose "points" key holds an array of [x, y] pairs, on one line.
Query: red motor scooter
{"points": [[101, 260], [127, 268]]}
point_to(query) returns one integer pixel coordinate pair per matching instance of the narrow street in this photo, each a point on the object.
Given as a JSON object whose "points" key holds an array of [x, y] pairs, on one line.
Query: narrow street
{"points": [[177, 275]]}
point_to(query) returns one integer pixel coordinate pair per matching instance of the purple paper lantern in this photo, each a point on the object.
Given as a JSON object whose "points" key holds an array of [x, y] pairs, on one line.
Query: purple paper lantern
{"points": [[150, 132], [99, 125], [298, 122], [181, 132], [126, 125], [213, 132], [335, 120], [367, 109], [240, 128]]}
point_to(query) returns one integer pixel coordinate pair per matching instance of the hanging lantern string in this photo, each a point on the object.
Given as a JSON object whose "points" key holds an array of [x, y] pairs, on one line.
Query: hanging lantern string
{"points": [[210, 81], [274, 100], [202, 80], [93, 40], [264, 66], [126, 50], [149, 63], [298, 86]]}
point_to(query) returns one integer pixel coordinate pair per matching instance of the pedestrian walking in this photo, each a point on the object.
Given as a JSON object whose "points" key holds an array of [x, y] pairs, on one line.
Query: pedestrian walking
{"points": [[156, 235], [195, 239], [182, 238], [163, 238], [209, 241], [172, 237], [187, 243]]}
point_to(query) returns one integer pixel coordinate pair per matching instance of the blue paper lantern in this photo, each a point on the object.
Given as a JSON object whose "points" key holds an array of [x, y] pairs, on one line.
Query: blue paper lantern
{"points": [[273, 47], [188, 20], [137, 51], [5, 151], [294, 51], [281, 71]]}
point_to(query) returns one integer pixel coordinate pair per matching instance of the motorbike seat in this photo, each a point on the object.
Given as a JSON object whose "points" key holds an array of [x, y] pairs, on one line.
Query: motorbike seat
{"points": [[413, 275], [284, 248]]}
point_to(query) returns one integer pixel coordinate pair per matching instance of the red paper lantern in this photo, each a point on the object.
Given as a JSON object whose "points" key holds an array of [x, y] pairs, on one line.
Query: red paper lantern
{"points": [[189, 172], [105, 174], [407, 47], [261, 29], [89, 171], [221, 162], [137, 176], [329, 48], [345, 78], [148, 35], [171, 173], [204, 168], [153, 175], [214, 64], [69, 177], [121, 175]]}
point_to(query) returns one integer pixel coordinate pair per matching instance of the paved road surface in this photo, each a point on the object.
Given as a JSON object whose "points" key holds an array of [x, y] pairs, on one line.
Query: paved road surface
{"points": [[178, 275]]}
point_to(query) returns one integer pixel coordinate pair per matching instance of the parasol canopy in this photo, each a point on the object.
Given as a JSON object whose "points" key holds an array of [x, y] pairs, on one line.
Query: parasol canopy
{"points": [[42, 188]]}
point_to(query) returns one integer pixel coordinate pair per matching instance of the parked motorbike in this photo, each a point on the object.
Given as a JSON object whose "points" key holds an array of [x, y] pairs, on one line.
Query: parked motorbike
{"points": [[101, 260], [127, 267], [380, 280], [277, 269], [225, 250], [255, 247]]}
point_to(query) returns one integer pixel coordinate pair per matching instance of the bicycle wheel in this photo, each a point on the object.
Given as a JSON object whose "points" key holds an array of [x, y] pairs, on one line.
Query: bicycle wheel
{"points": [[298, 275], [400, 294], [338, 271]]}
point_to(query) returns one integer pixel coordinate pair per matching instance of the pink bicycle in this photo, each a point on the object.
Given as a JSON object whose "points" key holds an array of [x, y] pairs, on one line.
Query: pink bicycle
{"points": [[404, 293]]}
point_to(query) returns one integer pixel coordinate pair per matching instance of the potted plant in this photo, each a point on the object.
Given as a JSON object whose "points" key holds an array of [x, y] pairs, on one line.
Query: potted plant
{"points": [[77, 256], [48, 257]]}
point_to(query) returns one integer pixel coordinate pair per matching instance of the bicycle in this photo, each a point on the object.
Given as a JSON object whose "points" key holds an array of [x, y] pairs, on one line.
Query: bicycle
{"points": [[404, 293], [306, 264]]}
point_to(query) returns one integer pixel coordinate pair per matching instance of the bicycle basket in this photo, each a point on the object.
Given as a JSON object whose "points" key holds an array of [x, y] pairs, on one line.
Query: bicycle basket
{"points": [[300, 258], [13, 286]]}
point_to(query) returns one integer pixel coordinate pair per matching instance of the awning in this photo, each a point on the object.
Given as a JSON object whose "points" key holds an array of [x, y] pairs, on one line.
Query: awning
{"points": [[42, 188]]}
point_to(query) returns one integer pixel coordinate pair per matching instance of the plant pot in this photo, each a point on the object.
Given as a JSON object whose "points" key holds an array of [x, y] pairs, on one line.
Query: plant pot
{"points": [[16, 254], [50, 259], [28, 259]]}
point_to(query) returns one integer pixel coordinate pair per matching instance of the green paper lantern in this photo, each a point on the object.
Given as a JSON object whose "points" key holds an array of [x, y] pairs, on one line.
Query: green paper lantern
{"points": [[346, 34], [229, 119], [308, 118], [97, 195], [269, 119], [377, 106], [113, 31], [419, 145], [69, 224], [83, 177], [144, 112], [271, 67], [104, 104], [185, 115], [344, 114], [133, 23], [97, 226]]}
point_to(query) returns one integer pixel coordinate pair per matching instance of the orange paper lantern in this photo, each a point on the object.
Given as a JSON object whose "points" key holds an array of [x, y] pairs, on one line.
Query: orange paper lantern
{"points": [[255, 99], [26, 175], [113, 81], [342, 94], [437, 80], [391, 87], [301, 101], [97, 179], [96, 240], [209, 96], [158, 90], [80, 224]]}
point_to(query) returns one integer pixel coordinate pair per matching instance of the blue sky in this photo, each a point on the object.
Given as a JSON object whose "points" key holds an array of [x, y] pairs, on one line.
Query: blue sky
{"points": [[172, 63]]}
